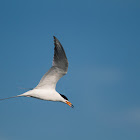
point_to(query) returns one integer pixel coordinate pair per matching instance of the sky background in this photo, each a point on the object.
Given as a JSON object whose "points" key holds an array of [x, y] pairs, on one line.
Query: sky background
{"points": [[102, 42]]}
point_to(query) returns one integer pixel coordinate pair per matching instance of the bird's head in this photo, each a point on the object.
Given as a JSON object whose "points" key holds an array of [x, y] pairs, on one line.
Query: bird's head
{"points": [[67, 101]]}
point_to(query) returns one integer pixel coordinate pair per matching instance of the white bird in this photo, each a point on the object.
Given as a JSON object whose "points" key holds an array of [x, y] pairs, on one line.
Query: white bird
{"points": [[45, 90]]}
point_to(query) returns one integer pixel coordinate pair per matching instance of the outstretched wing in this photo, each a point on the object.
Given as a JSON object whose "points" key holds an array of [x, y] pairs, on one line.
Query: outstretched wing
{"points": [[59, 67]]}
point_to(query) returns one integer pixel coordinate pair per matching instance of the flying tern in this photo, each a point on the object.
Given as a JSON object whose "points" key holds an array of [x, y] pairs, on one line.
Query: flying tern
{"points": [[45, 90]]}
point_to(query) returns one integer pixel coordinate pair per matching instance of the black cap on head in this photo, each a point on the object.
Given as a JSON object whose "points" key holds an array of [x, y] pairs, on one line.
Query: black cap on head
{"points": [[64, 96]]}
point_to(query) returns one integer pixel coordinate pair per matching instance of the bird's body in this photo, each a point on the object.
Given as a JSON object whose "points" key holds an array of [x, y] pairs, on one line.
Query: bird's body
{"points": [[45, 90], [44, 94]]}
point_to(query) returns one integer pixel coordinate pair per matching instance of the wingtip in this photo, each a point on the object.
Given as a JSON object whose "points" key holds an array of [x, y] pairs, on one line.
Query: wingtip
{"points": [[56, 41], [55, 38]]}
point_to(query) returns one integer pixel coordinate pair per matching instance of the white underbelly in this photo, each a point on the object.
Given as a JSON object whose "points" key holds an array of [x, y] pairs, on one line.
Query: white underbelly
{"points": [[50, 95]]}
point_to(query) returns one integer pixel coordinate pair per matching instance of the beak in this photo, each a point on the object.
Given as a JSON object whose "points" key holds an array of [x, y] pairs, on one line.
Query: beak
{"points": [[70, 104]]}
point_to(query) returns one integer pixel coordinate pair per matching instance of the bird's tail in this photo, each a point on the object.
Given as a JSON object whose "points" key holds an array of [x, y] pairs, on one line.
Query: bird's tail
{"points": [[10, 97], [26, 94]]}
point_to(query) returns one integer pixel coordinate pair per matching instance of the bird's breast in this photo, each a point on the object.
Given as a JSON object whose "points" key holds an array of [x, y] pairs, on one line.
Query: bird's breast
{"points": [[50, 95]]}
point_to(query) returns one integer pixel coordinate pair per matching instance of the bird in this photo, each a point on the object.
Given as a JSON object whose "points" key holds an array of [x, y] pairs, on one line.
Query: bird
{"points": [[46, 89]]}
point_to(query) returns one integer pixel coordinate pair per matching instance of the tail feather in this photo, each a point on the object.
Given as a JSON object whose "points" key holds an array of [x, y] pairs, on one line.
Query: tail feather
{"points": [[9, 97], [25, 88]]}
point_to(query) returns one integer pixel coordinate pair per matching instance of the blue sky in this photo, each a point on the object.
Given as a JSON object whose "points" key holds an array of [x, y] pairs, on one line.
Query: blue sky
{"points": [[102, 43]]}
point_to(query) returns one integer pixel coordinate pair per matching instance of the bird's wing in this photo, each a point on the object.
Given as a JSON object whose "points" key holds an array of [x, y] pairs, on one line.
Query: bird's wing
{"points": [[58, 69]]}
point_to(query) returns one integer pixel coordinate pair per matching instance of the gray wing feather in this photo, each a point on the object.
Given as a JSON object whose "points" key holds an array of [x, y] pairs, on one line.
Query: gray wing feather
{"points": [[58, 69], [59, 59]]}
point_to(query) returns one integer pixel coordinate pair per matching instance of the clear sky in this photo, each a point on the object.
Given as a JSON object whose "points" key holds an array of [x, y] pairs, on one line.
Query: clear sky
{"points": [[102, 42]]}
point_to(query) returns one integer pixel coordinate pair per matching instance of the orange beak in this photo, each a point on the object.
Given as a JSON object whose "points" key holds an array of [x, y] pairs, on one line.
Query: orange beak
{"points": [[70, 104]]}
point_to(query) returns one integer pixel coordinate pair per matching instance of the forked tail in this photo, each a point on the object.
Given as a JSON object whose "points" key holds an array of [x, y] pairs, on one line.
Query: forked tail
{"points": [[9, 97]]}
